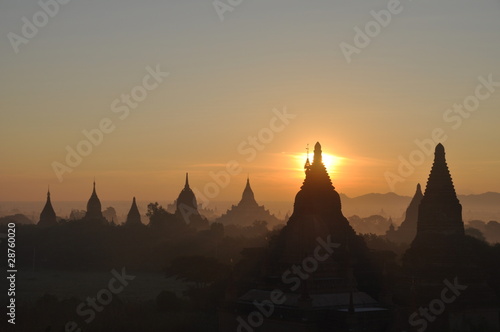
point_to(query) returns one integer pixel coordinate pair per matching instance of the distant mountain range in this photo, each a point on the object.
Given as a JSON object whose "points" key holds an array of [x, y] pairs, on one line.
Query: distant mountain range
{"points": [[484, 206]]}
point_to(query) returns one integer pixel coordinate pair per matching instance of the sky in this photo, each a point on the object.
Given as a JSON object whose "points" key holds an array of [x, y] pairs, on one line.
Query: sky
{"points": [[229, 89]]}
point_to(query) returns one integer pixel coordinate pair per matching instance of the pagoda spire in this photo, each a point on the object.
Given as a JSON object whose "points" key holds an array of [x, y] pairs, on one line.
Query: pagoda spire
{"points": [[316, 173], [48, 215], [186, 210], [94, 206], [133, 216], [318, 159], [440, 184], [308, 163], [440, 210], [248, 197]]}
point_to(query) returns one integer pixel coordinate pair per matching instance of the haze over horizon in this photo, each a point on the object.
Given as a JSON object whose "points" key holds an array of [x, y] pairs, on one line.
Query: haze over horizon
{"points": [[229, 86]]}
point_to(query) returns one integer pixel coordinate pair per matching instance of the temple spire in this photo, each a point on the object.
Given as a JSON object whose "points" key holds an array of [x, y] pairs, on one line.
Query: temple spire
{"points": [[186, 209], [94, 206], [48, 215], [317, 154], [308, 163], [439, 210], [248, 196], [316, 173], [133, 216], [440, 183]]}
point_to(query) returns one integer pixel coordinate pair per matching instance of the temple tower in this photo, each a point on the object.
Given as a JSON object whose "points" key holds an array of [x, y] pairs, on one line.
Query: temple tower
{"points": [[318, 214], [440, 230], [408, 228], [48, 215], [322, 293], [248, 198], [441, 251], [94, 206], [133, 216], [247, 211], [187, 208], [440, 212]]}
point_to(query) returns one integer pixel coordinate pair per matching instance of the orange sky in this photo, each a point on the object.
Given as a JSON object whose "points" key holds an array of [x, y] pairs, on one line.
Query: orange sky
{"points": [[211, 92]]}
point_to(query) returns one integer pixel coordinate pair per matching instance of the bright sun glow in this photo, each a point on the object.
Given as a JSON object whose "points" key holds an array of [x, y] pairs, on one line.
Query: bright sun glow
{"points": [[330, 161]]}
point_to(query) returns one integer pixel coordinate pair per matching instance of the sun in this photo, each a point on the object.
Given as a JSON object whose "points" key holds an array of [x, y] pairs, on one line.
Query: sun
{"points": [[331, 162]]}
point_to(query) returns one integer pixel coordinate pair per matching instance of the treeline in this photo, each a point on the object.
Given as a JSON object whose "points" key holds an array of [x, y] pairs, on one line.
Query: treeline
{"points": [[101, 245]]}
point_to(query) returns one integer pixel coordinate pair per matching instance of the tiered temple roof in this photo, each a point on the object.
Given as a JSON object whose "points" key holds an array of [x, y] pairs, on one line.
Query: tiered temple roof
{"points": [[247, 211]]}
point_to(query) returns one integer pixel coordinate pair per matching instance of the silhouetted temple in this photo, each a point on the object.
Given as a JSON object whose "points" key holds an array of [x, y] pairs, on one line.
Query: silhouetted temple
{"points": [[317, 213], [187, 208], [48, 215], [133, 216], [440, 229], [440, 252], [94, 211], [247, 211], [408, 228], [317, 263]]}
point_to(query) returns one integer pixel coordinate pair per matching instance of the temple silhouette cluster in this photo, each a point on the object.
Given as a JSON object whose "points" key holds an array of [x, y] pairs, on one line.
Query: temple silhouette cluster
{"points": [[186, 209], [317, 274]]}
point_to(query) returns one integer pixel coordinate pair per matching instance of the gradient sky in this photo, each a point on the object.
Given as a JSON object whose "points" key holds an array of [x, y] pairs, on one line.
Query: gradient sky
{"points": [[225, 79]]}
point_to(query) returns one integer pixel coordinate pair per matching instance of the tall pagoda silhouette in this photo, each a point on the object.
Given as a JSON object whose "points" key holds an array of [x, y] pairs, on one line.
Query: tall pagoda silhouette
{"points": [[247, 211], [441, 251], [133, 216], [187, 208], [319, 265], [94, 211], [48, 215], [408, 228], [440, 228]]}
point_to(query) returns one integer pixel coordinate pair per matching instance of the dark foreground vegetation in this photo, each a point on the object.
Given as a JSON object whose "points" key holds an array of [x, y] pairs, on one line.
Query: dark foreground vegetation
{"points": [[208, 261]]}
